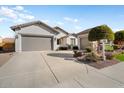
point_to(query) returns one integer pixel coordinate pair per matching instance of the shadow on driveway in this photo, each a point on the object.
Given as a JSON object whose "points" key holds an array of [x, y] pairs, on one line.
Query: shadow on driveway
{"points": [[98, 65]]}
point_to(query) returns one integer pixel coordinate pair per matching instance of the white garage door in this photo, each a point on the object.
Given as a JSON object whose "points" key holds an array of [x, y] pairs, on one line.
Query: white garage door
{"points": [[36, 43]]}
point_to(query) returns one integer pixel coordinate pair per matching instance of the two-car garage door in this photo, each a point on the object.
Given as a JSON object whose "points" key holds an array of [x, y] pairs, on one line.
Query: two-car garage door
{"points": [[36, 43]]}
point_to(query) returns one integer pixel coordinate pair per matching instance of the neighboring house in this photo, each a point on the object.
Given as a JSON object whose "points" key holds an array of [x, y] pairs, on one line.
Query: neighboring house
{"points": [[34, 36], [64, 38], [83, 41], [0, 40], [38, 36]]}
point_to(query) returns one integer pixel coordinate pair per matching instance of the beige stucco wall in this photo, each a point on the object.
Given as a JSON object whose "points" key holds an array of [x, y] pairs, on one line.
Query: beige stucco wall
{"points": [[35, 30], [61, 34]]}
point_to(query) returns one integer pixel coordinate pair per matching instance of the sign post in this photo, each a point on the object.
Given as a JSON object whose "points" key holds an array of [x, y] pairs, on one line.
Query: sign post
{"points": [[103, 48]]}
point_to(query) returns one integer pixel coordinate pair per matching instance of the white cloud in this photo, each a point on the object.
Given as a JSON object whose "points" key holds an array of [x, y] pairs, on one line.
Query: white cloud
{"points": [[5, 11], [78, 27], [45, 21], [16, 14], [71, 19], [19, 8], [115, 29], [26, 16], [19, 21], [67, 19], [60, 23], [75, 20], [2, 20]]}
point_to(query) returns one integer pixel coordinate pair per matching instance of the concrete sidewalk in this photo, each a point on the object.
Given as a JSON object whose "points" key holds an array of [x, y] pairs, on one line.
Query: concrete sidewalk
{"points": [[39, 69]]}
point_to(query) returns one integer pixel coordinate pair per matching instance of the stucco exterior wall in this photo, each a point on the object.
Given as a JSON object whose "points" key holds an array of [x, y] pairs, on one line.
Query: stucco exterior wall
{"points": [[18, 42], [35, 30], [61, 34]]}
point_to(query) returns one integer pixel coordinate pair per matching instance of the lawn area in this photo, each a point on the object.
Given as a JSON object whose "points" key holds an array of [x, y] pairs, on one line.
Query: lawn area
{"points": [[108, 48], [120, 57]]}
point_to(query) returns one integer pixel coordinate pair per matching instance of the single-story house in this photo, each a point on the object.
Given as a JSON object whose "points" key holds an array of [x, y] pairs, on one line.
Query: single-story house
{"points": [[34, 36], [83, 41], [37, 36]]}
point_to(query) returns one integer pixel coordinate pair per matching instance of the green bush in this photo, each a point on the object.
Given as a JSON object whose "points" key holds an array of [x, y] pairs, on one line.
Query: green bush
{"points": [[119, 37], [101, 32], [115, 47], [63, 48]]}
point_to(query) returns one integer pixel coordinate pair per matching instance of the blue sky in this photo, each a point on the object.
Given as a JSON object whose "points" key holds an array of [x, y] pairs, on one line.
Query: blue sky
{"points": [[71, 18]]}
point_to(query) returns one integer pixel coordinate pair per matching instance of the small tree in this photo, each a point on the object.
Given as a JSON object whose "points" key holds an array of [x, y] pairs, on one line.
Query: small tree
{"points": [[119, 38], [101, 32]]}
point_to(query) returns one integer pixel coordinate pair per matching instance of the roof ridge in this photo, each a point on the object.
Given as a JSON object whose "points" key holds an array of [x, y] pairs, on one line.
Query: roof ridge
{"points": [[31, 23], [57, 27]]}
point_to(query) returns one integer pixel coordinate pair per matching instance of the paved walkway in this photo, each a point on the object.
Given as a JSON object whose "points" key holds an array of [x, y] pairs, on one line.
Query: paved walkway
{"points": [[57, 69]]}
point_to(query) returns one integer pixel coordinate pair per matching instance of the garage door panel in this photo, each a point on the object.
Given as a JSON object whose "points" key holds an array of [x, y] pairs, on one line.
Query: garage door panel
{"points": [[36, 43], [84, 42]]}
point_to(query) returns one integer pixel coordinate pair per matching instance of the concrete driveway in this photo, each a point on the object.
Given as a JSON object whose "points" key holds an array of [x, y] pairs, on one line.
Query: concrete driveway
{"points": [[56, 69]]}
